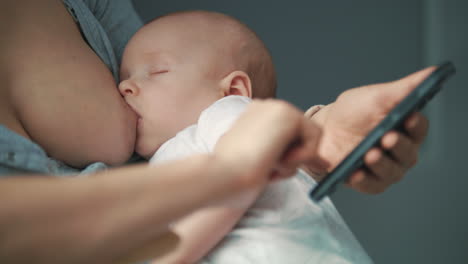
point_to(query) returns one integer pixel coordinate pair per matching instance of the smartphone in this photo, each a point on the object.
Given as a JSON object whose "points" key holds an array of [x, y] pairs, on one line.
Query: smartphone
{"points": [[415, 101]]}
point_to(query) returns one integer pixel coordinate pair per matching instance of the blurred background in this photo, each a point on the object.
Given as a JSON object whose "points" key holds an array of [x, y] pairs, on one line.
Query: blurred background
{"points": [[321, 48]]}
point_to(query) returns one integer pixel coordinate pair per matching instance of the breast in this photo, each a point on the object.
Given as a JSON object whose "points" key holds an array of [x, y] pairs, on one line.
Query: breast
{"points": [[58, 92]]}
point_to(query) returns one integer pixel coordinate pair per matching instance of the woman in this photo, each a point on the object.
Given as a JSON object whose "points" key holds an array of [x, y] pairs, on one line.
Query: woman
{"points": [[61, 113]]}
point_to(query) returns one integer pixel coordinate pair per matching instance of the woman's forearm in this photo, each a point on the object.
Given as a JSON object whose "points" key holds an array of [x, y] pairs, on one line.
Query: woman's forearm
{"points": [[101, 218]]}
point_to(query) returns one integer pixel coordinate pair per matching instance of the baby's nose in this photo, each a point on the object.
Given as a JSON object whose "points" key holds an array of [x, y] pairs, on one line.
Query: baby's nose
{"points": [[127, 88]]}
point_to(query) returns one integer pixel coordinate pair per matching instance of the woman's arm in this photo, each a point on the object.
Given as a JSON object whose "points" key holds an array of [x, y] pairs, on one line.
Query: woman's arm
{"points": [[109, 216], [99, 219]]}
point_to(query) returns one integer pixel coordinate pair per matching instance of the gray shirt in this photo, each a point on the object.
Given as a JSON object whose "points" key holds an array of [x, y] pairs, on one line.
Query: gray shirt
{"points": [[106, 25]]}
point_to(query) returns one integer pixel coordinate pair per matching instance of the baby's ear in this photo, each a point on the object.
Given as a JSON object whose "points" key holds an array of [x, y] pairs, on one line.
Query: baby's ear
{"points": [[236, 83]]}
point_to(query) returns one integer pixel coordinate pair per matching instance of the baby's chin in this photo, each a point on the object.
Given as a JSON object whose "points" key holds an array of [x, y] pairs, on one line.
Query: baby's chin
{"points": [[146, 150]]}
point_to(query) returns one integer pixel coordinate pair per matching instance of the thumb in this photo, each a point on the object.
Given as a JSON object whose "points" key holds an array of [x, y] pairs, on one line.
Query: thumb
{"points": [[390, 94], [405, 85]]}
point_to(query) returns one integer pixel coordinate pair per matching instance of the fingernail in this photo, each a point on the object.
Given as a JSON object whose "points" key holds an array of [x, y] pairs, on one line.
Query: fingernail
{"points": [[413, 122], [358, 178]]}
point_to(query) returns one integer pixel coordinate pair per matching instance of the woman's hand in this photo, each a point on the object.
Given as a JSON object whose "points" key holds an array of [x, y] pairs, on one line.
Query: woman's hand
{"points": [[269, 141], [347, 121]]}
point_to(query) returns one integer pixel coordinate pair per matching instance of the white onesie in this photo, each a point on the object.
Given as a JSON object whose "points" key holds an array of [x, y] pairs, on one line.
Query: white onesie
{"points": [[283, 226]]}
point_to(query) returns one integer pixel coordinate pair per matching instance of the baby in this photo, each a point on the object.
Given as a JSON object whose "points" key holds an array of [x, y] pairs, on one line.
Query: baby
{"points": [[188, 76]]}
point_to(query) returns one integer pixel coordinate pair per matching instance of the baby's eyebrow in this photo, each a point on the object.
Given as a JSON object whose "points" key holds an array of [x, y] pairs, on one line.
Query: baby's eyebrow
{"points": [[159, 58]]}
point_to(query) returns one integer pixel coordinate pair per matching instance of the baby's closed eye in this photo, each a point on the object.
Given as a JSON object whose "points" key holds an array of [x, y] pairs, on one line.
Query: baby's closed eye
{"points": [[160, 71]]}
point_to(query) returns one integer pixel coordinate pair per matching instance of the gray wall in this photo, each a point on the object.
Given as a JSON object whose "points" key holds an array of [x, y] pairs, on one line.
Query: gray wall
{"points": [[321, 48]]}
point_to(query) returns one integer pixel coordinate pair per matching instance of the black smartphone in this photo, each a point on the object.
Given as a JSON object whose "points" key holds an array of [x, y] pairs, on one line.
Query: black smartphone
{"points": [[394, 120]]}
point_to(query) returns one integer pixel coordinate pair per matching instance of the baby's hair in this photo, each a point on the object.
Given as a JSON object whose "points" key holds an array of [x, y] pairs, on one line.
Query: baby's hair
{"points": [[249, 53]]}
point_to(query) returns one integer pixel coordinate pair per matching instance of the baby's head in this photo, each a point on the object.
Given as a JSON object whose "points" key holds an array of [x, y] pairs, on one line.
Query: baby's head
{"points": [[179, 64]]}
